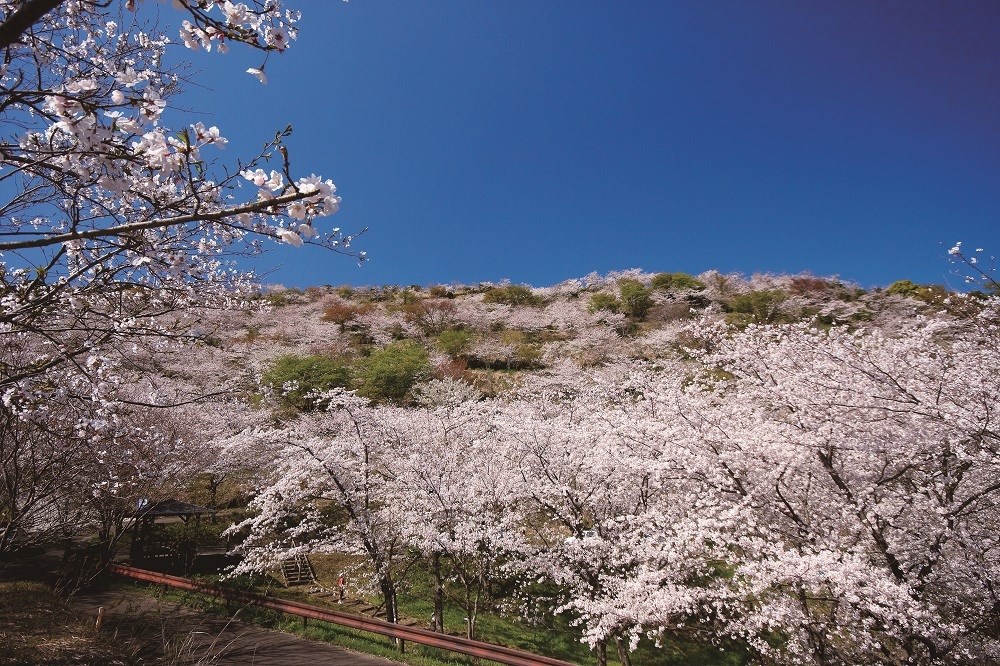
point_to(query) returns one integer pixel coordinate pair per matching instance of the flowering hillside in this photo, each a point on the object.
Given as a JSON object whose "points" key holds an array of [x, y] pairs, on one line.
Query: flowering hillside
{"points": [[793, 463]]}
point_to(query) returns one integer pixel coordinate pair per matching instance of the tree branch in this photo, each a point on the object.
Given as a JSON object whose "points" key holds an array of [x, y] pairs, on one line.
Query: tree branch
{"points": [[23, 18], [122, 229]]}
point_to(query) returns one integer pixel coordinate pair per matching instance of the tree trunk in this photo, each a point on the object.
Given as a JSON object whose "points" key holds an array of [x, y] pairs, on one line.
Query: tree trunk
{"points": [[602, 653], [470, 622], [623, 655], [213, 491], [391, 611], [438, 619]]}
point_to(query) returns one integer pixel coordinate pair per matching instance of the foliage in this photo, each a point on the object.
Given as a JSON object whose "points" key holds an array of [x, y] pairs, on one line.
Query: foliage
{"points": [[298, 380], [432, 315], [679, 281], [932, 294], [389, 373], [809, 285], [342, 312], [454, 341], [759, 307], [635, 298], [603, 301], [903, 288], [512, 294], [441, 291], [527, 354]]}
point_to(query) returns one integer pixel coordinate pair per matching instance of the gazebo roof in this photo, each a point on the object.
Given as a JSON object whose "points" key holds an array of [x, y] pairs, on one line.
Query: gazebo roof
{"points": [[170, 507]]}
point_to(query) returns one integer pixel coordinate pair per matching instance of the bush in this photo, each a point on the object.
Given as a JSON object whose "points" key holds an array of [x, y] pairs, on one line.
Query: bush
{"points": [[454, 342], [441, 291], [635, 298], [604, 301], [341, 312], [903, 288], [279, 299], [432, 315], [758, 307], [512, 294], [390, 372], [667, 312], [667, 281], [809, 285], [932, 294], [303, 375], [527, 354]]}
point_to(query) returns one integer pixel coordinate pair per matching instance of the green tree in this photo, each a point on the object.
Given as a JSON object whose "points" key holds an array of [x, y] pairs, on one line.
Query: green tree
{"points": [[390, 372], [667, 281], [512, 294], [454, 341], [635, 298], [294, 378], [758, 307], [604, 301], [903, 288]]}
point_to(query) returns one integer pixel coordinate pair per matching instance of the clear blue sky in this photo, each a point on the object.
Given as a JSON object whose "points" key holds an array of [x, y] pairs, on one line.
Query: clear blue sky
{"points": [[539, 141]]}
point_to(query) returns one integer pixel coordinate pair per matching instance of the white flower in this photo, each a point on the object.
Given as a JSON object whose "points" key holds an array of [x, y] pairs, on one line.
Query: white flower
{"points": [[235, 14], [290, 237], [955, 250], [257, 177], [275, 182], [259, 73], [277, 38]]}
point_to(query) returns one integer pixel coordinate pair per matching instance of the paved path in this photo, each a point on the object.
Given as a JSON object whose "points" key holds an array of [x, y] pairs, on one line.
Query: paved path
{"points": [[193, 636]]}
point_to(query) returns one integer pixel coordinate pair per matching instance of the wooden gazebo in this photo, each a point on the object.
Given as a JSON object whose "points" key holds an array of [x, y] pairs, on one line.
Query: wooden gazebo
{"points": [[148, 513]]}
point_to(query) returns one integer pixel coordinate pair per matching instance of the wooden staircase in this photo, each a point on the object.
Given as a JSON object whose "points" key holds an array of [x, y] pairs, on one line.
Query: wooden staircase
{"points": [[298, 570]]}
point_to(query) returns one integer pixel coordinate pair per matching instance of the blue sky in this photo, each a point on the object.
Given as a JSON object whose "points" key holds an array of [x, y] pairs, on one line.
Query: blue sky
{"points": [[539, 141]]}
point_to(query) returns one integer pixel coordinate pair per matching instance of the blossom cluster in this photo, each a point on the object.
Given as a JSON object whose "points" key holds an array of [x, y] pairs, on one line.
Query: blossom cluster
{"points": [[837, 488]]}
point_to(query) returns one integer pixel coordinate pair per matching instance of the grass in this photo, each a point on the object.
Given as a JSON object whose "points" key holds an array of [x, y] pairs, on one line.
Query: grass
{"points": [[551, 635], [38, 627], [351, 639]]}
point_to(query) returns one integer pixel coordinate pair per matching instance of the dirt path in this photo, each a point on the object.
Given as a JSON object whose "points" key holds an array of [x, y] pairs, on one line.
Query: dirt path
{"points": [[188, 636]]}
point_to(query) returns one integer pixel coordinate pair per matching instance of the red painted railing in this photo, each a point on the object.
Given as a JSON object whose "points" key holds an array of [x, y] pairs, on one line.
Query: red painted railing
{"points": [[497, 653]]}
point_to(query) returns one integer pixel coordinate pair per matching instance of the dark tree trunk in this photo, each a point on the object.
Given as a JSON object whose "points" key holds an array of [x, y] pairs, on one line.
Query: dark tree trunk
{"points": [[391, 610], [623, 655], [438, 619]]}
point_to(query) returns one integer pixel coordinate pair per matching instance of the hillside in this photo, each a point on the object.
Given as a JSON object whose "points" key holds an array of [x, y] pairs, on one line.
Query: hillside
{"points": [[492, 336]]}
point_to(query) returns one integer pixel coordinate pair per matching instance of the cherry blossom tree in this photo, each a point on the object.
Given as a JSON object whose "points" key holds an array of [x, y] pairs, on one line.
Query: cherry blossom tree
{"points": [[328, 491], [852, 484], [116, 229], [110, 219], [602, 470], [453, 488]]}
